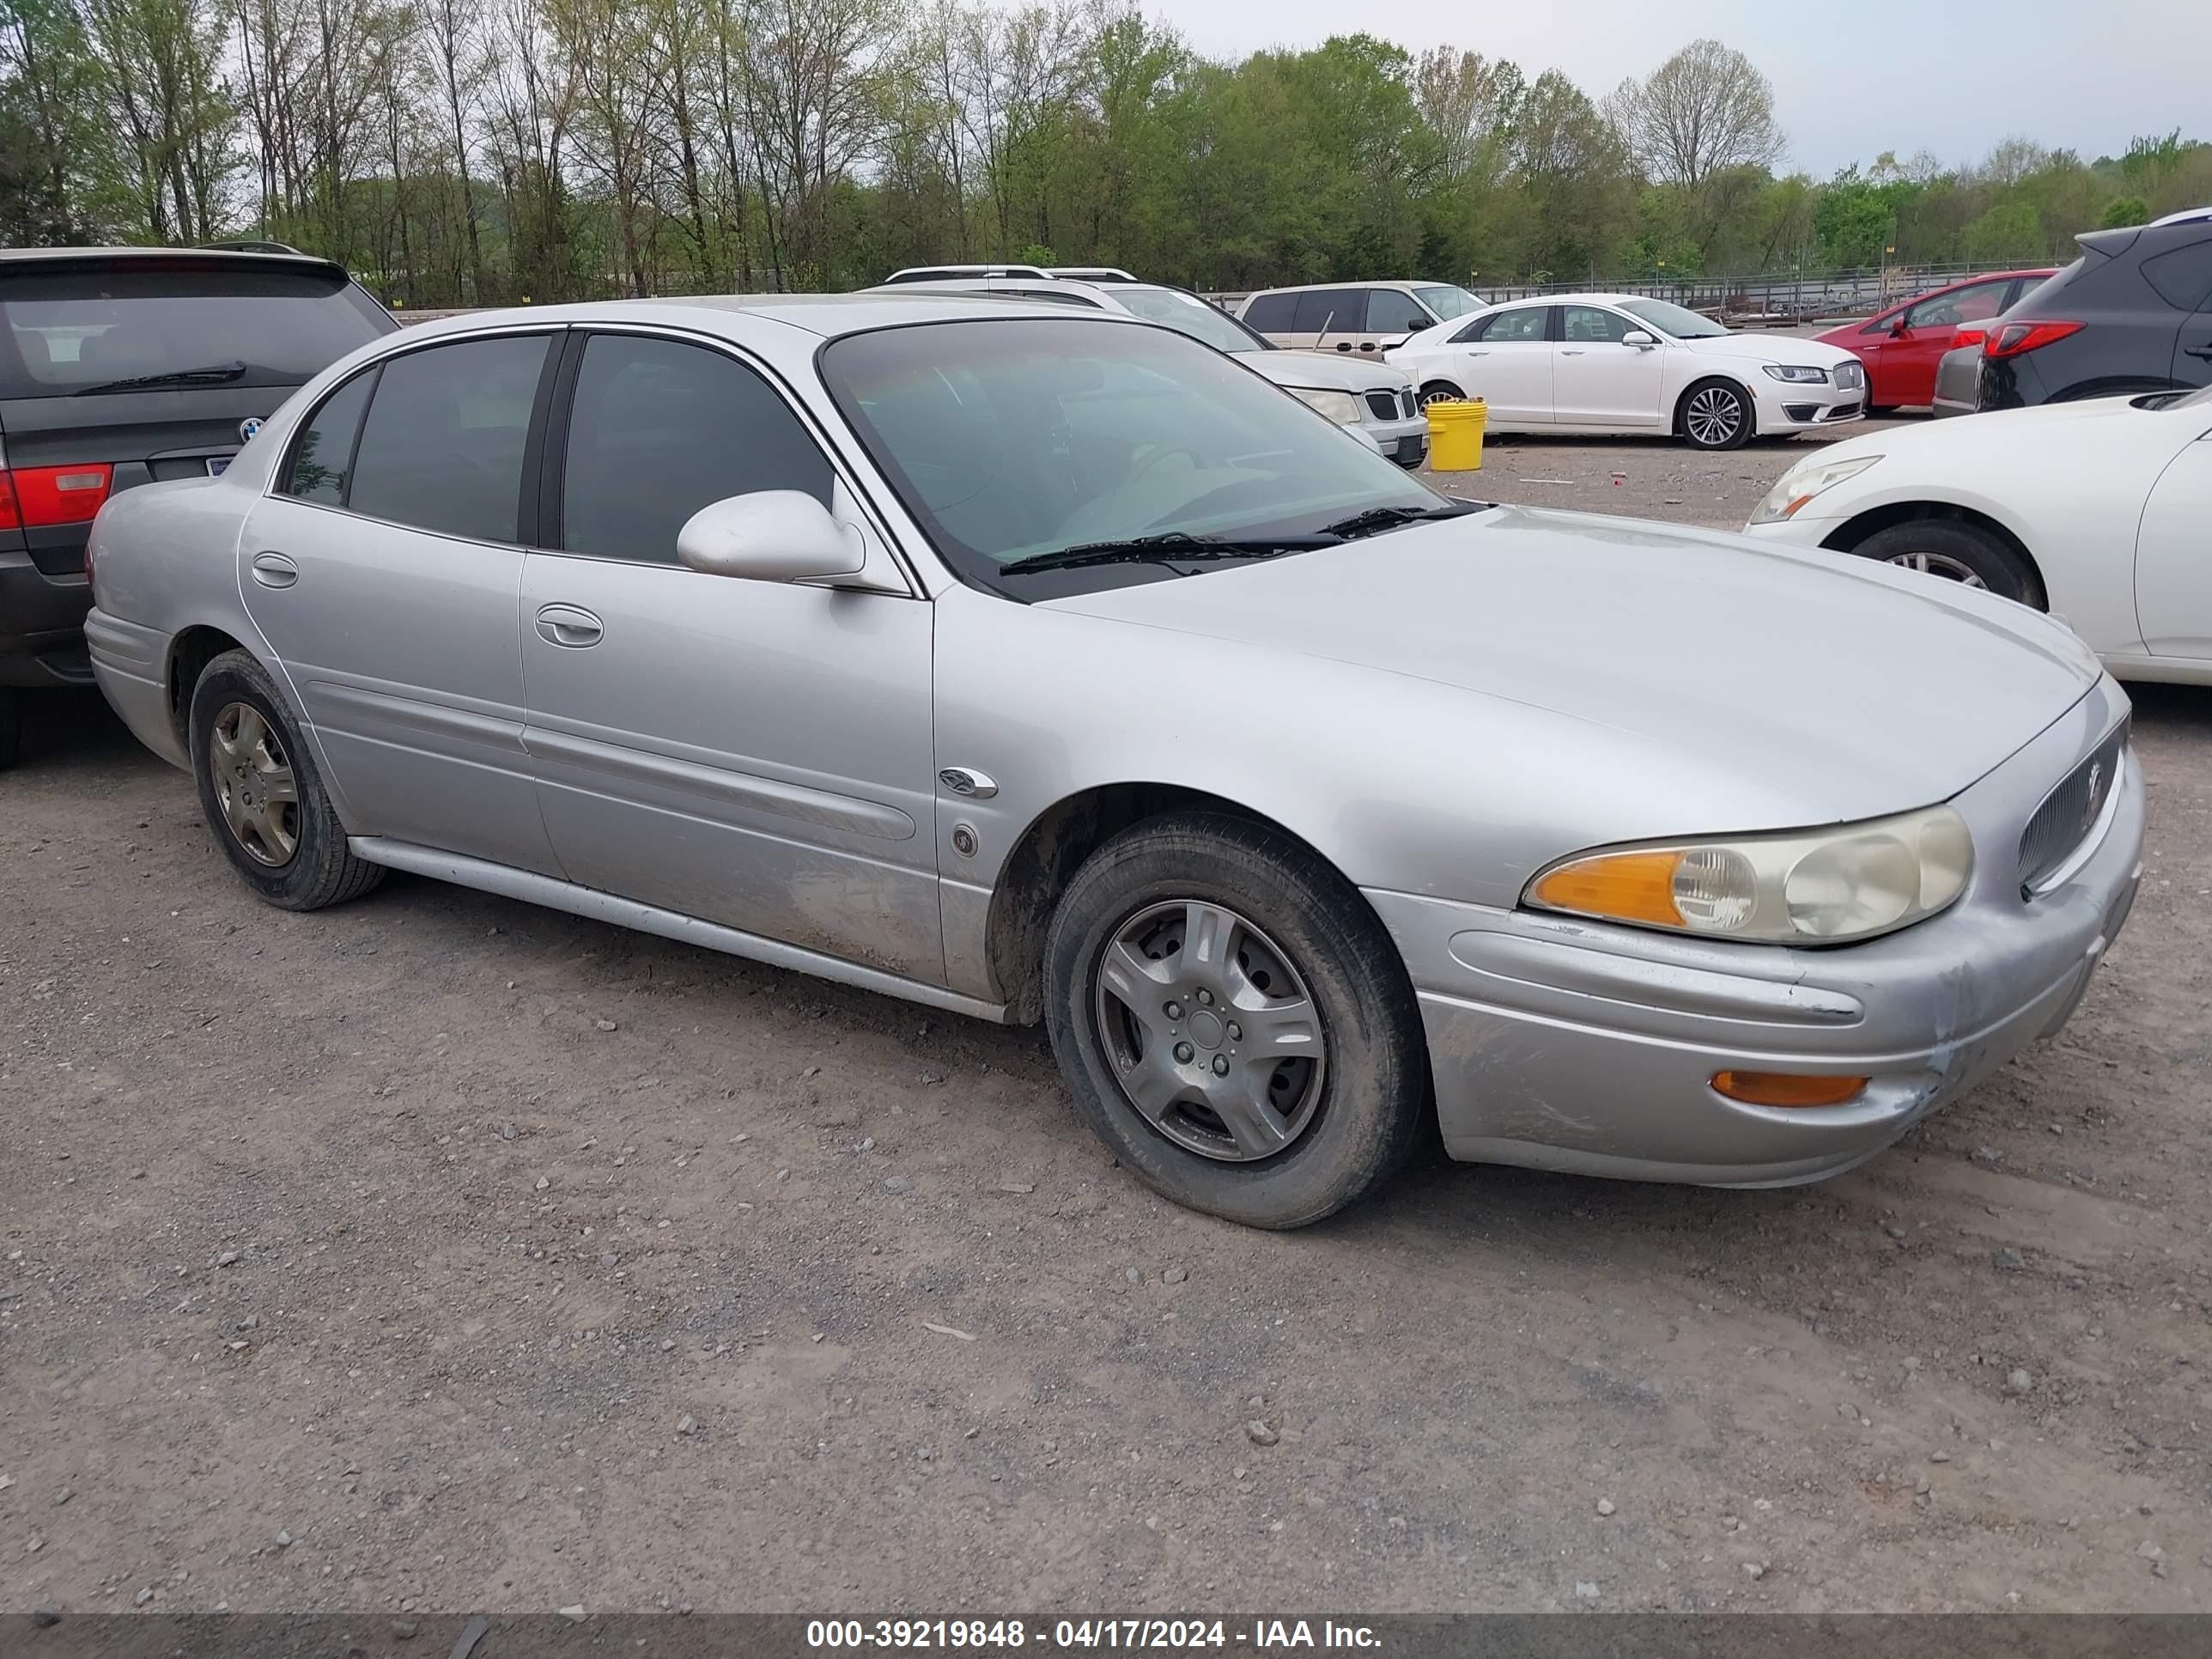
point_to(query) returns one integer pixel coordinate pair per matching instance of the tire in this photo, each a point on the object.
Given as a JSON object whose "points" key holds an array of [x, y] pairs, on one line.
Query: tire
{"points": [[1439, 391], [11, 727], [1351, 1108], [293, 853], [1704, 409], [1958, 551]]}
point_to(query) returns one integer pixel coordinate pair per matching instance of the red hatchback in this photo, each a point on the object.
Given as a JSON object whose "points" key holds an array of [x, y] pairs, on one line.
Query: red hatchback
{"points": [[1901, 346]]}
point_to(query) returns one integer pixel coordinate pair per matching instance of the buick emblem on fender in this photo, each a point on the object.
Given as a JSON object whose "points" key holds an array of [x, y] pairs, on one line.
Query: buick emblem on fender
{"points": [[247, 427]]}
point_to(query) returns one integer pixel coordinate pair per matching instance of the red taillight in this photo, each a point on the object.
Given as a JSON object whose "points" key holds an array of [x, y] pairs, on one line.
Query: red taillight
{"points": [[38, 496], [1967, 337], [2013, 339]]}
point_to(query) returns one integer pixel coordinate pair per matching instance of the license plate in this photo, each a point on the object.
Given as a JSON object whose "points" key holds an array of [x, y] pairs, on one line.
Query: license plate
{"points": [[218, 465]]}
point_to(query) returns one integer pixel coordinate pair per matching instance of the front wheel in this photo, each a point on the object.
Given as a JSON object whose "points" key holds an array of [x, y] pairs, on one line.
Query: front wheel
{"points": [[1953, 550], [261, 793], [1718, 415], [1234, 1022]]}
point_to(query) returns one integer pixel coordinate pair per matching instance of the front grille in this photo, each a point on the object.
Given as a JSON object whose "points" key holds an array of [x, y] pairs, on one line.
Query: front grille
{"points": [[1851, 376], [2069, 812], [1384, 405], [1843, 412], [1412, 403]]}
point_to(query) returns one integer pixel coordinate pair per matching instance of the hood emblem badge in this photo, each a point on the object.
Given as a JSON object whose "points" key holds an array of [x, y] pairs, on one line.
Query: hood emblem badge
{"points": [[247, 427]]}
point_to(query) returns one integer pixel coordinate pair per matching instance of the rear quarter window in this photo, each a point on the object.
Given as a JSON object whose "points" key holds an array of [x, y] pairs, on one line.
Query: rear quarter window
{"points": [[73, 329], [2182, 276]]}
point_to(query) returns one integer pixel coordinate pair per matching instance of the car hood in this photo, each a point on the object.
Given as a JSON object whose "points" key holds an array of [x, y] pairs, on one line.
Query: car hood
{"points": [[1771, 348], [1842, 688], [1325, 371], [2105, 421]]}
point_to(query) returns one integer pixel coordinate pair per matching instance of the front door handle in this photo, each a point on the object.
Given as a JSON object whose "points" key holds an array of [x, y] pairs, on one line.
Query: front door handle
{"points": [[2203, 351], [1572, 351], [273, 569], [1477, 351], [569, 625]]}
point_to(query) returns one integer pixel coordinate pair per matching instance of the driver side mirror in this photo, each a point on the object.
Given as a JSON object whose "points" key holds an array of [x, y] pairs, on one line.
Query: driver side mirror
{"points": [[769, 535], [1639, 339], [1903, 323]]}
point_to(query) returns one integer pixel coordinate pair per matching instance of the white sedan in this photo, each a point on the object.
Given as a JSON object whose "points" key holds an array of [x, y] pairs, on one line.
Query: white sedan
{"points": [[2099, 511], [1613, 362]]}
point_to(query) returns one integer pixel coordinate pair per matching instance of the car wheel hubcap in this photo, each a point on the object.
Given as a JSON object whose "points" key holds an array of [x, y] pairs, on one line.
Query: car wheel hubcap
{"points": [[1438, 396], [1939, 564], [1210, 1031], [1715, 416], [254, 785]]}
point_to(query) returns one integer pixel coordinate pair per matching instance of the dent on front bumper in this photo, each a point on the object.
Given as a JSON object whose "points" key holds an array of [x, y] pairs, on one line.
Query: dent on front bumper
{"points": [[1583, 1047]]}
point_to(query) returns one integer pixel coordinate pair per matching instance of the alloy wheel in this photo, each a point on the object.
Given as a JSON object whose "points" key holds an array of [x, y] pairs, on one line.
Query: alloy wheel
{"points": [[254, 784], [1939, 564], [1212, 1034], [1715, 416]]}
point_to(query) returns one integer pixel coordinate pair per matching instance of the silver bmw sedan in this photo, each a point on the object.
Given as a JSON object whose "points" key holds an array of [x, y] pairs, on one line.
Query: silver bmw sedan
{"points": [[1049, 667]]}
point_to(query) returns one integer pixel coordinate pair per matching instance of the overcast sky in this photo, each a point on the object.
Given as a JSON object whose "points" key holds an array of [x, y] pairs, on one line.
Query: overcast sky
{"points": [[1851, 78]]}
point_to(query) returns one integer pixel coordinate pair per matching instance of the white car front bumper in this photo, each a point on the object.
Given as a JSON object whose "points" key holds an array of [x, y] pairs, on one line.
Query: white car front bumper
{"points": [[1791, 406]]}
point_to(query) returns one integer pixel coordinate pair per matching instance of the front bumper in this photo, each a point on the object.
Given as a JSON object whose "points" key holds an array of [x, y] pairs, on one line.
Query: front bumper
{"points": [[1578, 1046], [1405, 441], [41, 625], [1783, 407]]}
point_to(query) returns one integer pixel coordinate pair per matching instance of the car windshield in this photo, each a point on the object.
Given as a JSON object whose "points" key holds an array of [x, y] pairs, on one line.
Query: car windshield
{"points": [[1448, 301], [1186, 313], [1678, 321], [78, 329], [1010, 438]]}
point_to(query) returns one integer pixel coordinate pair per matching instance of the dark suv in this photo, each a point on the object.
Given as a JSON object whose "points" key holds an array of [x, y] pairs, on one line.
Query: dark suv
{"points": [[120, 366], [2132, 314]]}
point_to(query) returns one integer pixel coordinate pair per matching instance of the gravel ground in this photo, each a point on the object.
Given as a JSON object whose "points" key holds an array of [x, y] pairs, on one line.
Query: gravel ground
{"points": [[440, 1253]]}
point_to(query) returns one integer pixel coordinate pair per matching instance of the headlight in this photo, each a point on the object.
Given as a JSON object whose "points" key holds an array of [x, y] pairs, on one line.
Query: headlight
{"points": [[1798, 374], [1824, 886], [1803, 482], [1340, 406]]}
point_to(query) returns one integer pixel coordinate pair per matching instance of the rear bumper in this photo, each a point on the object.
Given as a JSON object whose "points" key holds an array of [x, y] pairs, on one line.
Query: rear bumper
{"points": [[41, 625], [131, 664], [1587, 1048]]}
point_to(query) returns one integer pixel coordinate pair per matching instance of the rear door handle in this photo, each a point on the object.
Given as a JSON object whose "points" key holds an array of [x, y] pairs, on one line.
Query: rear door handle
{"points": [[569, 625], [1572, 351], [273, 569]]}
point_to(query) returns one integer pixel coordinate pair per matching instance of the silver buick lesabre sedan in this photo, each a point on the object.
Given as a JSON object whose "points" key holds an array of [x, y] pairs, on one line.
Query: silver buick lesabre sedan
{"points": [[1039, 666]]}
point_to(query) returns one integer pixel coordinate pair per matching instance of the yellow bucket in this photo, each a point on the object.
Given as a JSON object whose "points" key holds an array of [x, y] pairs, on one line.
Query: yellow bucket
{"points": [[1455, 435]]}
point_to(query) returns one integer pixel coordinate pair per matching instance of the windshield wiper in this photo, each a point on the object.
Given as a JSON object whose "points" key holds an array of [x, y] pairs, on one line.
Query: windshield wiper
{"points": [[1390, 518], [1171, 547], [213, 374]]}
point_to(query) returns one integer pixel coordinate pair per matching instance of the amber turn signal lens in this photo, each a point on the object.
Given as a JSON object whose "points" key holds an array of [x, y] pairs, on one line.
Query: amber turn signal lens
{"points": [[1785, 1089], [1628, 886]]}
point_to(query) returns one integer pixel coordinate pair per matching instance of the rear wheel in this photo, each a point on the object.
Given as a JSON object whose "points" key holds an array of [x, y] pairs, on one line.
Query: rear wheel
{"points": [[1953, 550], [1440, 391], [1717, 414], [261, 795], [1233, 1021]]}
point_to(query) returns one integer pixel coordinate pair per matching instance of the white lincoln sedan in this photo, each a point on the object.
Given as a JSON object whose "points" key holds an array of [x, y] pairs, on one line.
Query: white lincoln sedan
{"points": [[1613, 362]]}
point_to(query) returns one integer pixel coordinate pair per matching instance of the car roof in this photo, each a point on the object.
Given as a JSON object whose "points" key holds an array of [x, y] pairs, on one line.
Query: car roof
{"points": [[219, 259], [828, 315], [1309, 287]]}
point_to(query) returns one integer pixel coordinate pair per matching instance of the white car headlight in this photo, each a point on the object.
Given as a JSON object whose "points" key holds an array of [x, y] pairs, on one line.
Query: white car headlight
{"points": [[1818, 887], [1802, 482], [1798, 374], [1340, 406]]}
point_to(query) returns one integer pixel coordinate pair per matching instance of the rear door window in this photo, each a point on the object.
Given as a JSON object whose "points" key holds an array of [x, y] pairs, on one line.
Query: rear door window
{"points": [[1506, 327], [80, 329], [323, 453], [442, 446], [1272, 314], [2182, 276], [1326, 310], [658, 429]]}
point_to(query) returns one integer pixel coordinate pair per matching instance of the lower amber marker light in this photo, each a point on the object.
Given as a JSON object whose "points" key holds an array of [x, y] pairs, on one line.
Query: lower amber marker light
{"points": [[1787, 1088]]}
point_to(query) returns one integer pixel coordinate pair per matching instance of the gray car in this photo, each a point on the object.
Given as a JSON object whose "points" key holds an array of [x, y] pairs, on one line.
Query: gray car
{"points": [[1959, 378], [1053, 666]]}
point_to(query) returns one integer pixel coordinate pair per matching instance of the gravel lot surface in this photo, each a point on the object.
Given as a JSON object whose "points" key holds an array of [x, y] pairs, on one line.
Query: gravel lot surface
{"points": [[439, 1253]]}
